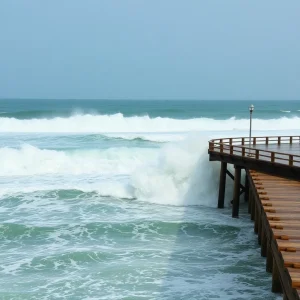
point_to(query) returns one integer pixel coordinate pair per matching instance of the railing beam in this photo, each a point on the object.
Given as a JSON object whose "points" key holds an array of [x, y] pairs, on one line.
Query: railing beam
{"points": [[236, 147]]}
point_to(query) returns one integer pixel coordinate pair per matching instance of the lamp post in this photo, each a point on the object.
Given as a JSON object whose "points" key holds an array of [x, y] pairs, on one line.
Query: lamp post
{"points": [[251, 108]]}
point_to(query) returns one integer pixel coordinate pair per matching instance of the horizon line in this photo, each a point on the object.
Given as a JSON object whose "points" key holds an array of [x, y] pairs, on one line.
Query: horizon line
{"points": [[143, 99]]}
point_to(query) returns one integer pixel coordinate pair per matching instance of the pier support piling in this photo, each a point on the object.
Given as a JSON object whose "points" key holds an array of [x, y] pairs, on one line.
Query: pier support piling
{"points": [[222, 184], [276, 284], [236, 192], [249, 201], [246, 195], [264, 242], [269, 262]]}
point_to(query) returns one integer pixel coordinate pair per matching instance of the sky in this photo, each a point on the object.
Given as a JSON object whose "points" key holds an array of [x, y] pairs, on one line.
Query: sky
{"points": [[154, 49]]}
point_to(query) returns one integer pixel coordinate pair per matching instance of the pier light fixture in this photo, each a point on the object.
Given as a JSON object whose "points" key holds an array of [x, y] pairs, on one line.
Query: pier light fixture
{"points": [[251, 109]]}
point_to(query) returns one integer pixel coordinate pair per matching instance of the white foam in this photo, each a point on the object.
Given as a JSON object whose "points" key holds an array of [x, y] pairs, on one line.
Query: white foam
{"points": [[182, 175], [176, 174], [30, 160], [117, 123]]}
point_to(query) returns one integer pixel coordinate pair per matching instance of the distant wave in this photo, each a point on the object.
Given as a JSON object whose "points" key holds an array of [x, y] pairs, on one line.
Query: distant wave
{"points": [[285, 111], [31, 114], [118, 125]]}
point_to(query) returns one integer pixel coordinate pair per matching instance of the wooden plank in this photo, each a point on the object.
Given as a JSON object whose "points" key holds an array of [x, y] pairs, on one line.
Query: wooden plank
{"points": [[279, 197], [282, 216], [282, 210], [288, 245], [285, 223], [295, 280], [293, 270], [286, 234], [280, 201]]}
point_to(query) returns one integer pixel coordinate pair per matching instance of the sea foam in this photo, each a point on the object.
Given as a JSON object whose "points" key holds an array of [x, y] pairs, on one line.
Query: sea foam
{"points": [[117, 123], [178, 173]]}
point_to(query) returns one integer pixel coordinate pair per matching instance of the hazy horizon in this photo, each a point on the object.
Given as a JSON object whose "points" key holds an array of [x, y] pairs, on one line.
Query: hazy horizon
{"points": [[113, 99]]}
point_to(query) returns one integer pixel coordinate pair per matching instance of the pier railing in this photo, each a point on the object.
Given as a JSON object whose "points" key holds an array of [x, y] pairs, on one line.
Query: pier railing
{"points": [[242, 146]]}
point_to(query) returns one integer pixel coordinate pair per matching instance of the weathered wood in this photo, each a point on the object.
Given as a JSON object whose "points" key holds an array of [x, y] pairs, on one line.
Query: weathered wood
{"points": [[273, 201], [281, 159], [236, 192], [269, 262], [232, 177], [276, 284], [286, 234], [246, 196], [277, 222], [256, 218], [250, 201], [222, 185], [253, 207], [264, 242]]}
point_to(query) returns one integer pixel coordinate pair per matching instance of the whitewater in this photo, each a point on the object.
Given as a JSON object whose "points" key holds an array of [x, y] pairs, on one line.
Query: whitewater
{"points": [[121, 205]]}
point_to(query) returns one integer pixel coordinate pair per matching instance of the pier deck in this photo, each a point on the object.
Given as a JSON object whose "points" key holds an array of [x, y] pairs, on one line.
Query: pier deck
{"points": [[272, 189], [274, 204]]}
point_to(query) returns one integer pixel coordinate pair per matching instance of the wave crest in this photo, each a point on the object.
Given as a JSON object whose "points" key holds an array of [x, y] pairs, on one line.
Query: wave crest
{"points": [[177, 174], [117, 123]]}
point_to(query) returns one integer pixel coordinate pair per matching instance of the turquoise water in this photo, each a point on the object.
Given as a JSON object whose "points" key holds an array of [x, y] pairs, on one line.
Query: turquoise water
{"points": [[116, 200], [27, 109]]}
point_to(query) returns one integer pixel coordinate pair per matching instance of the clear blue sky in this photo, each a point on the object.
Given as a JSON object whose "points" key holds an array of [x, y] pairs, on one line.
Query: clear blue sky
{"points": [[155, 49]]}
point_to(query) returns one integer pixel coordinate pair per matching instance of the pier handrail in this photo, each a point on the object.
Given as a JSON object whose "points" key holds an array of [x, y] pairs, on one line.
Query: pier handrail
{"points": [[239, 146]]}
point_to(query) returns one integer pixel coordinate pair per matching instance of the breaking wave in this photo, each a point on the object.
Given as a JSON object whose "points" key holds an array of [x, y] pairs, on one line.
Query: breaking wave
{"points": [[117, 123], [176, 174]]}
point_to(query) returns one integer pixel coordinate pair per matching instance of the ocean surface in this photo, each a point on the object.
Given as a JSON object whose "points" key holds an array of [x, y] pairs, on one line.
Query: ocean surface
{"points": [[117, 200]]}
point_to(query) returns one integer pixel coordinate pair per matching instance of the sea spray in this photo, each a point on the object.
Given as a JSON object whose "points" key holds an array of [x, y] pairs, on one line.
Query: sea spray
{"points": [[177, 174], [117, 123], [181, 175]]}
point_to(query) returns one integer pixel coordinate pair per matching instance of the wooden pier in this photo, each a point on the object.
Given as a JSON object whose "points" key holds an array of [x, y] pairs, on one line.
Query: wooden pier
{"points": [[272, 189]]}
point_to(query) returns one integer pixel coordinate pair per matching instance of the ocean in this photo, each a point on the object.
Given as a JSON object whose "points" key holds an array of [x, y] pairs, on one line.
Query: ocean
{"points": [[117, 200]]}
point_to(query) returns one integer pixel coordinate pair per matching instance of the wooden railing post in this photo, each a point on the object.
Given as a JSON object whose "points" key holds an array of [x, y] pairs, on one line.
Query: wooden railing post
{"points": [[291, 140], [279, 140], [273, 157], [256, 154], [221, 146], [231, 149], [230, 141], [243, 141], [254, 141], [267, 140], [243, 151], [291, 160]]}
